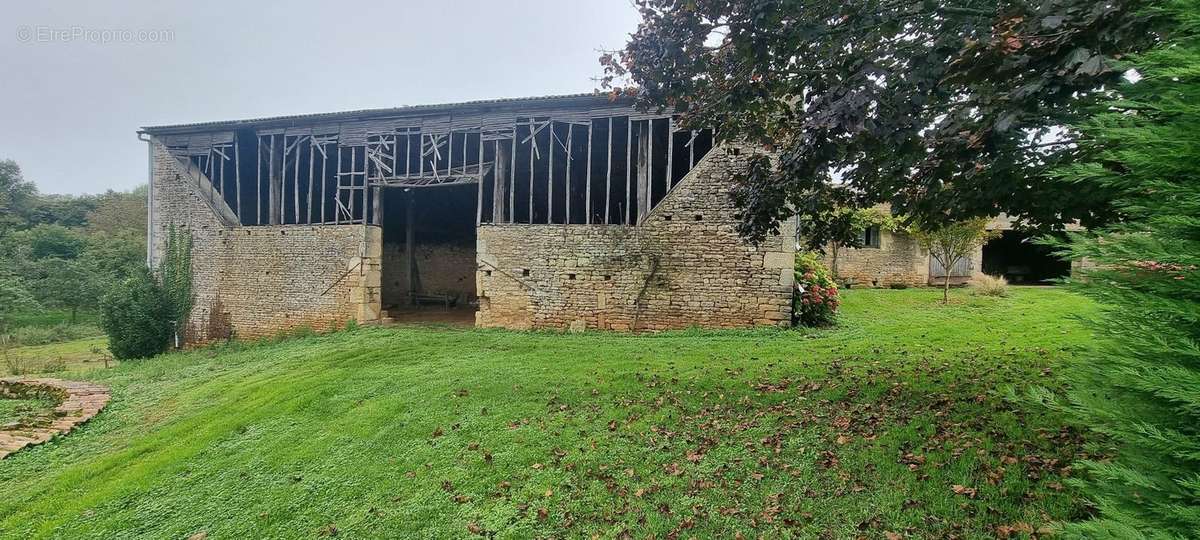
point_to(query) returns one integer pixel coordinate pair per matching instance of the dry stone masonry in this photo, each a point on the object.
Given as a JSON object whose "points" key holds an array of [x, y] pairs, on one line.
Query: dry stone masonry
{"points": [[258, 281], [684, 265]]}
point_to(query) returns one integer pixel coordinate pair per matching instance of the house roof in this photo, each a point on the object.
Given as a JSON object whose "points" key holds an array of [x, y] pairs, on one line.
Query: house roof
{"points": [[483, 105]]}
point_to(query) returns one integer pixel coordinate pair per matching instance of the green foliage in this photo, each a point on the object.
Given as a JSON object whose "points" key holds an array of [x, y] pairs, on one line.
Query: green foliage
{"points": [[940, 107], [136, 315], [69, 284], [44, 241], [815, 301], [16, 195], [175, 273], [66, 250], [842, 226], [1142, 389], [950, 243], [13, 299], [117, 212]]}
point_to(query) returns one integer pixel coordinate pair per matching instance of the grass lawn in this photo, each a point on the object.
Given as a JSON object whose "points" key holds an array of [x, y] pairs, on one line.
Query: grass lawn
{"points": [[24, 410], [892, 424], [81, 355]]}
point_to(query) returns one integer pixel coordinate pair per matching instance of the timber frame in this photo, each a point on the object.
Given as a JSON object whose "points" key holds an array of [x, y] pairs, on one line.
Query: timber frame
{"points": [[577, 159]]}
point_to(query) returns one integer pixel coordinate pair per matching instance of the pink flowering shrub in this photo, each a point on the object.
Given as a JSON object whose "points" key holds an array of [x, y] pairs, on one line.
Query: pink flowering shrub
{"points": [[815, 301]]}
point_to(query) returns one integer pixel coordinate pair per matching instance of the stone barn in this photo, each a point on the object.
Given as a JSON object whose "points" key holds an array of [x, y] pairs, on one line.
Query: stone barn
{"points": [[891, 259], [561, 212]]}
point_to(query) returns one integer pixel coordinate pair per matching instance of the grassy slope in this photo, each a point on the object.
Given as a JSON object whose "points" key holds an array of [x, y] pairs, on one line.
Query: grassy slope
{"points": [[387, 432]]}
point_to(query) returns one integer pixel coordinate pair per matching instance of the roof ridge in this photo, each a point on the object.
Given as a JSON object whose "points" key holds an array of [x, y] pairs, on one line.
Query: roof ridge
{"points": [[371, 112]]}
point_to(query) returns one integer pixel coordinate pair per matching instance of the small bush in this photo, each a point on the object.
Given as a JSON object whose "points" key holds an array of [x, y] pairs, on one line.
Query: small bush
{"points": [[986, 285], [815, 301], [137, 318]]}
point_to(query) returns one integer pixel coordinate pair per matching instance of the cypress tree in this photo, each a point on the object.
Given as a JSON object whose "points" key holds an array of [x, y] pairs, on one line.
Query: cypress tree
{"points": [[1141, 391]]}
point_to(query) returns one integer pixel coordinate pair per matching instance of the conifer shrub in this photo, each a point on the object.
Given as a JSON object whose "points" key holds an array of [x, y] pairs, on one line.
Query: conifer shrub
{"points": [[1141, 389], [136, 316]]}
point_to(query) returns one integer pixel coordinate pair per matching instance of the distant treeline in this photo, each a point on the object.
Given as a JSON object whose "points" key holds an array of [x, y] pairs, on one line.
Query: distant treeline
{"points": [[64, 251]]}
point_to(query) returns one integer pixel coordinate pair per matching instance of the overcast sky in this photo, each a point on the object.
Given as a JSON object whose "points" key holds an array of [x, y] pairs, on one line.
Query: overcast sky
{"points": [[70, 103]]}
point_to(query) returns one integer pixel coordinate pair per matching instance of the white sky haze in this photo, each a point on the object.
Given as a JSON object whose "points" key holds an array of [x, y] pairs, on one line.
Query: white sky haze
{"points": [[79, 78]]}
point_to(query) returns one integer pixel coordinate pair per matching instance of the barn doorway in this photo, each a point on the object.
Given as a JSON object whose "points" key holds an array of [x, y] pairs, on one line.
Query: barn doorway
{"points": [[429, 253], [1015, 256]]}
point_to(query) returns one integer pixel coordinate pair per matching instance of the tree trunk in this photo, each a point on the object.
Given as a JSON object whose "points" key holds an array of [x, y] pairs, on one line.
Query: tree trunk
{"points": [[74, 311], [834, 264], [946, 288]]}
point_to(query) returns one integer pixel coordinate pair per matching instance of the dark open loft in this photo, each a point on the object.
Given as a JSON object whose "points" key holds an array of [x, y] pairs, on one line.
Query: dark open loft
{"points": [[576, 159]]}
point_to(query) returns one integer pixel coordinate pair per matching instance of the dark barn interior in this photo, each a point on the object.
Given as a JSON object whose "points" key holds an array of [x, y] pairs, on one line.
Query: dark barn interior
{"points": [[428, 250], [1015, 256]]}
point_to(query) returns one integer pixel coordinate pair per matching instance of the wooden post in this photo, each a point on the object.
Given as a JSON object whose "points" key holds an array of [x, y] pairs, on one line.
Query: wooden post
{"points": [[272, 187], [587, 187], [649, 166], [409, 249], [324, 165], [376, 205], [512, 182], [570, 136], [337, 187], [479, 188], [258, 183], [532, 143], [237, 178], [670, 153], [350, 187], [628, 169], [643, 164], [212, 184], [550, 175], [692, 150], [296, 181], [365, 184], [499, 197], [608, 173], [311, 156]]}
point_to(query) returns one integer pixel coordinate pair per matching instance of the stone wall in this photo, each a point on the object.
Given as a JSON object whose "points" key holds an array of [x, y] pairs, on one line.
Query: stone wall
{"points": [[685, 265], [897, 261], [258, 281], [442, 268]]}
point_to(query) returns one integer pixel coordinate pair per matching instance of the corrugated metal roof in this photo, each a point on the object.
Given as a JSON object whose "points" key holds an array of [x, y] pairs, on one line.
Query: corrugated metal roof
{"points": [[276, 121]]}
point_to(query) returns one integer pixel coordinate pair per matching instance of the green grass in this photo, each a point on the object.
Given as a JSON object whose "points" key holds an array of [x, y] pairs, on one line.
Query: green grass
{"points": [[54, 359], [53, 317], [436, 433], [24, 410]]}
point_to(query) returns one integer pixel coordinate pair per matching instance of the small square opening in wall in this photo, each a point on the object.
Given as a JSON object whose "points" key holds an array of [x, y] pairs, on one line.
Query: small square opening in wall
{"points": [[487, 273], [666, 217], [699, 217], [525, 272], [734, 151], [607, 277], [571, 276]]}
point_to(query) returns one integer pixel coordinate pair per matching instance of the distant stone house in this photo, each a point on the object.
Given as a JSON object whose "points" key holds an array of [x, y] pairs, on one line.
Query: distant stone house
{"points": [[891, 259], [553, 212]]}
